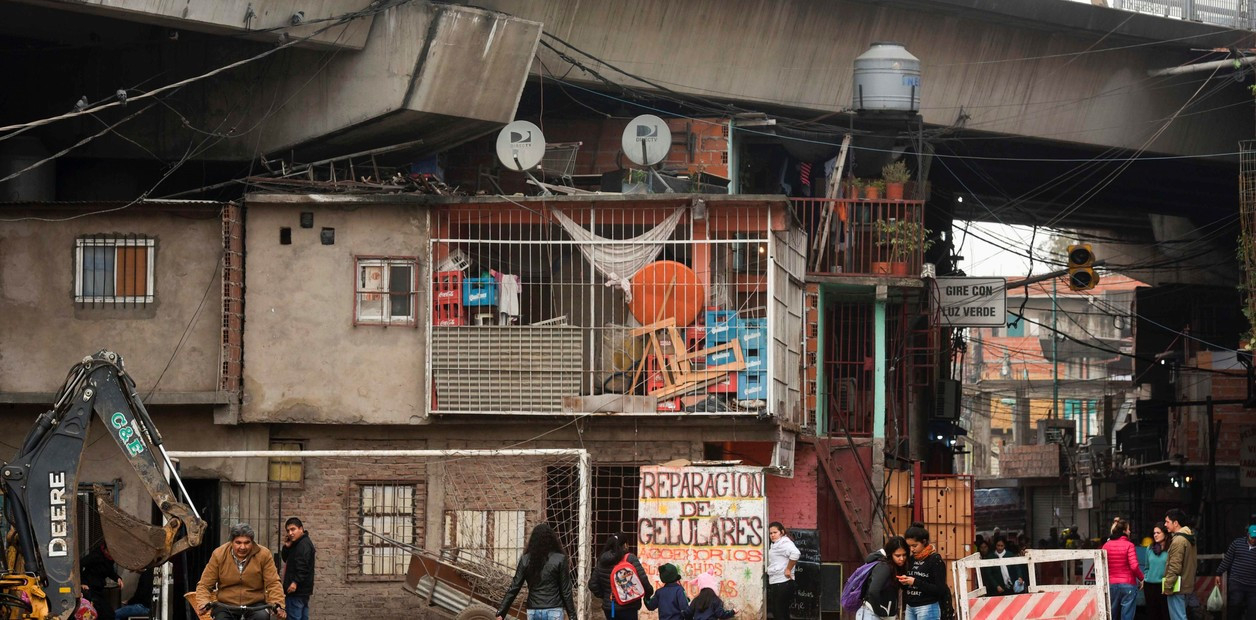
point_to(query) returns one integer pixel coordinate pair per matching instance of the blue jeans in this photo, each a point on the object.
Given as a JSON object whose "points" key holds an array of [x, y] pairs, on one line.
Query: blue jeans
{"points": [[550, 613], [126, 611], [1177, 606], [932, 611], [1123, 598], [298, 607]]}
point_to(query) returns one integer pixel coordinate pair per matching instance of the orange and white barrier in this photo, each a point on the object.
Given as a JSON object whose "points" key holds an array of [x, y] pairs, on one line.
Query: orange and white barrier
{"points": [[1039, 602]]}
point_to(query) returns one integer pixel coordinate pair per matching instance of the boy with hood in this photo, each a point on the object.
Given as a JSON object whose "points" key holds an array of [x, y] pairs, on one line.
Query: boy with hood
{"points": [[670, 600], [1179, 572]]}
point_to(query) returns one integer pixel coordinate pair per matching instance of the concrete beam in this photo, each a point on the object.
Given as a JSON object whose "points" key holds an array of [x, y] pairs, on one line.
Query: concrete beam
{"points": [[251, 19], [158, 398], [980, 70]]}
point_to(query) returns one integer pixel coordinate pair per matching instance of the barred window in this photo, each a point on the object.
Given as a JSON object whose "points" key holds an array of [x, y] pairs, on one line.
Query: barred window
{"points": [[385, 291], [114, 270], [479, 536], [386, 511]]}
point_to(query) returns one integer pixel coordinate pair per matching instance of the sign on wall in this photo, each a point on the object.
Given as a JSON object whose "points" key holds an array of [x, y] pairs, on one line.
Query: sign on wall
{"points": [[972, 302], [706, 519], [1247, 457]]}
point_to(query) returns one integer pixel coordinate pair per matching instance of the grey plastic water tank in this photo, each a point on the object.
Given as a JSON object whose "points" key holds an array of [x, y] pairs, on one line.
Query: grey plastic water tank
{"points": [[887, 79]]}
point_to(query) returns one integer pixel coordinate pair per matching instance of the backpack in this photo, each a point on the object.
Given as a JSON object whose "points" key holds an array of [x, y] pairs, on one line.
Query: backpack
{"points": [[853, 591], [626, 585]]}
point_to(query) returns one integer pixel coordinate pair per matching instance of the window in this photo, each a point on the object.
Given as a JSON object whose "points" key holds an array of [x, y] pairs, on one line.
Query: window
{"points": [[480, 535], [285, 468], [386, 510], [113, 270], [385, 291]]}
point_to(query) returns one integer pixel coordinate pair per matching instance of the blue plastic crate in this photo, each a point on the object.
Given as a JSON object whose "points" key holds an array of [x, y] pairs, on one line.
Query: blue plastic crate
{"points": [[752, 385], [721, 326], [479, 292], [719, 358], [754, 346]]}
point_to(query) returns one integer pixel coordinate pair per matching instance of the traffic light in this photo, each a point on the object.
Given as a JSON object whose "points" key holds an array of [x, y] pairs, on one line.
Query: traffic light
{"points": [[1081, 271]]}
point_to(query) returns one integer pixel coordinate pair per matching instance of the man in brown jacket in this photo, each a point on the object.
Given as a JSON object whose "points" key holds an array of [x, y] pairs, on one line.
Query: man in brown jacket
{"points": [[244, 574], [1181, 564]]}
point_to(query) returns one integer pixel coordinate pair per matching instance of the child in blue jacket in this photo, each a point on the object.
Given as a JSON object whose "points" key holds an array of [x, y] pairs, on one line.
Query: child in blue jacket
{"points": [[670, 600]]}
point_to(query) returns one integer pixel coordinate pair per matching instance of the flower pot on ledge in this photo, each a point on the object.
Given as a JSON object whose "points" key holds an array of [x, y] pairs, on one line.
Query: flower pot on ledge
{"points": [[872, 192], [894, 191]]}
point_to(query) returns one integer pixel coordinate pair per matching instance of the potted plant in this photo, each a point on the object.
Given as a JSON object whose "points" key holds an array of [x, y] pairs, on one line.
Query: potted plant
{"points": [[895, 175], [872, 188], [852, 188], [903, 238]]}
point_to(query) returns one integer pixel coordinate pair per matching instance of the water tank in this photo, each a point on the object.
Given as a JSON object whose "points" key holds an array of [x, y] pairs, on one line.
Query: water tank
{"points": [[887, 79]]}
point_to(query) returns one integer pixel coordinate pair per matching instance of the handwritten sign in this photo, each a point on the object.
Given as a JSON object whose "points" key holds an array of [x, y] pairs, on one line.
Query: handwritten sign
{"points": [[807, 582], [706, 519], [1247, 457]]}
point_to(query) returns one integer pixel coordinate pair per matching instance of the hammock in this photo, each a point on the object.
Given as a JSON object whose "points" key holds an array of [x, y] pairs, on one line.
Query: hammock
{"points": [[622, 259]]}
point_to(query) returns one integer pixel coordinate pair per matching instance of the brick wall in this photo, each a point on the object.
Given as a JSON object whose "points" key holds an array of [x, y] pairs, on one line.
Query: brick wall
{"points": [[1037, 461], [792, 501], [1191, 423]]}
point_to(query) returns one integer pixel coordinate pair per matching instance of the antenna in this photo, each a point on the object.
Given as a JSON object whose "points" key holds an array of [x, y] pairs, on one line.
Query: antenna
{"points": [[646, 142], [520, 147]]}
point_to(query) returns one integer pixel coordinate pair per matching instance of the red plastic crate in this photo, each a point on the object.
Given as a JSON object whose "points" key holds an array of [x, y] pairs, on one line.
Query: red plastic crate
{"points": [[447, 299], [728, 385], [654, 381]]}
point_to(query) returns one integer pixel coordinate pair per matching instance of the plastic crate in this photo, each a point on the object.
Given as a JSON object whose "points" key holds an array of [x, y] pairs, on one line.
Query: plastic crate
{"points": [[720, 358], [754, 345], [479, 292], [447, 307], [752, 385], [721, 326]]}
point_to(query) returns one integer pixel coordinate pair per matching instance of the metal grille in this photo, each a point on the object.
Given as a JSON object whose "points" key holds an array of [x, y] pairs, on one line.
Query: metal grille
{"points": [[385, 291], [615, 491], [1228, 13], [863, 237], [1247, 215], [667, 300], [849, 354], [113, 271]]}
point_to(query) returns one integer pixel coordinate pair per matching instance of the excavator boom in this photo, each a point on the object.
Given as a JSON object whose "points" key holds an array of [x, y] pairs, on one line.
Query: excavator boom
{"points": [[41, 484]]}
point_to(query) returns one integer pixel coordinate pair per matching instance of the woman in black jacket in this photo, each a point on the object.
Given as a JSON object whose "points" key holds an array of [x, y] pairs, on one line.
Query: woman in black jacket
{"points": [[615, 550], [924, 585], [881, 591], [547, 572]]}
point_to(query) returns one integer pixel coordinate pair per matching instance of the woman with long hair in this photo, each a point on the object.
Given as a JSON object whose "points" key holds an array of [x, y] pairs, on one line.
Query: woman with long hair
{"points": [[782, 557], [880, 599], [613, 552], [1124, 576], [924, 585], [1153, 573], [547, 571]]}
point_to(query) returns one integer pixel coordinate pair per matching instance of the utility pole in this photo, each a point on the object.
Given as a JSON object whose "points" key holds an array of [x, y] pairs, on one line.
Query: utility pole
{"points": [[1055, 357]]}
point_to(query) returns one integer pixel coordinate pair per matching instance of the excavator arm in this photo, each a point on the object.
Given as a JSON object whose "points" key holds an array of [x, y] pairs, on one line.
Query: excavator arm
{"points": [[41, 486]]}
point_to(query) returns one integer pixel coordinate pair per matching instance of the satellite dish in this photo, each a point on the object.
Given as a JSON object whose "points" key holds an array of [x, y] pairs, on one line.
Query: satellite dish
{"points": [[646, 140], [520, 146]]}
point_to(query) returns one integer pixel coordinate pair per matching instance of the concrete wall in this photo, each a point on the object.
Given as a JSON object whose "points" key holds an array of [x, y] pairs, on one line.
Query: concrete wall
{"points": [[1032, 79], [44, 331], [304, 360]]}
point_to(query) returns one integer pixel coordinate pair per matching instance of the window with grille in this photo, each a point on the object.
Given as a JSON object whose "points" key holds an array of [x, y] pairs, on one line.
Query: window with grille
{"points": [[481, 536], [615, 492], [286, 468], [386, 511], [113, 270], [385, 291]]}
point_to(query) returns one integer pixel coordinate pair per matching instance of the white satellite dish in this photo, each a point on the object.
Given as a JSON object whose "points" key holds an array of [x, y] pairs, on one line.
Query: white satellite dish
{"points": [[646, 140], [520, 146]]}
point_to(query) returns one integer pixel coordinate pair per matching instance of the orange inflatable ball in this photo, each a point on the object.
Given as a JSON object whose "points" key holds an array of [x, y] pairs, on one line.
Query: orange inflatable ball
{"points": [[666, 290]]}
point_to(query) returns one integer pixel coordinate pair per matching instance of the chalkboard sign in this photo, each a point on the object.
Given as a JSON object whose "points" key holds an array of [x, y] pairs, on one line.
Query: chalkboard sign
{"points": [[831, 595], [806, 575]]}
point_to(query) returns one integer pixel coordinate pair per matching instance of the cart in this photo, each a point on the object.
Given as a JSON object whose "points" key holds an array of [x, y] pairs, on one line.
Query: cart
{"points": [[464, 585]]}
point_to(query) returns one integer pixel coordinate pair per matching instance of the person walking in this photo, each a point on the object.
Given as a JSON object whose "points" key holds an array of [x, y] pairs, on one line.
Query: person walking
{"points": [[1124, 575], [882, 590], [547, 571], [924, 585], [1240, 562], [708, 605], [1179, 571], [1153, 574], [999, 580], [670, 600], [298, 569], [782, 557], [613, 552]]}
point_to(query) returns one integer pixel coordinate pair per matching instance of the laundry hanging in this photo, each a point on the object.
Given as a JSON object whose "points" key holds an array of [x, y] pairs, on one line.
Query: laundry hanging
{"points": [[621, 260]]}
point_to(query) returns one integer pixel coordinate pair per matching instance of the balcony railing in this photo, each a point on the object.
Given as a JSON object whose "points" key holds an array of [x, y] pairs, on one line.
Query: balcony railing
{"points": [[855, 237], [1226, 13], [572, 308]]}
